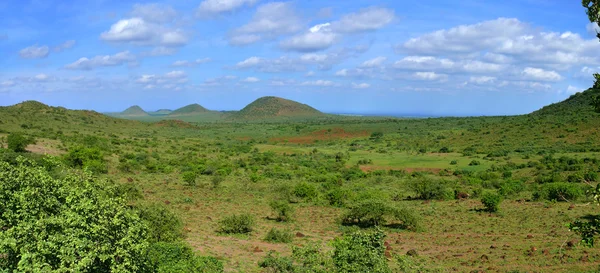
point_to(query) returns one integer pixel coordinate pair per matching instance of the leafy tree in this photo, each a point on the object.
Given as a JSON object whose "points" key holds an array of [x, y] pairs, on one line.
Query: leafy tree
{"points": [[361, 252], [17, 142], [593, 13]]}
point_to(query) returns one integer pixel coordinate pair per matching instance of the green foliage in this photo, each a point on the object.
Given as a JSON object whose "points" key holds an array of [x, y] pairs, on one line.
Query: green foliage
{"points": [[278, 236], [87, 158], [337, 197], [474, 163], [71, 224], [216, 181], [163, 224], [189, 178], [370, 213], [429, 188], [491, 201], [17, 142], [305, 191], [361, 252], [282, 209], [376, 136], [559, 191], [237, 224], [276, 264], [177, 257]]}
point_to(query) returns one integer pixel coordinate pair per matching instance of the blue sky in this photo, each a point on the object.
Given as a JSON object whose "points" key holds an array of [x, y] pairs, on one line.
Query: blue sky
{"points": [[394, 57]]}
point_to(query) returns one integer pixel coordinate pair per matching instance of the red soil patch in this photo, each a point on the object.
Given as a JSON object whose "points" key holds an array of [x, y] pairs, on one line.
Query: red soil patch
{"points": [[331, 134]]}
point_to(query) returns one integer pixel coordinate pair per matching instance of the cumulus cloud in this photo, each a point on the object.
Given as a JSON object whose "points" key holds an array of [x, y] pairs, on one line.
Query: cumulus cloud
{"points": [[360, 85], [218, 81], [103, 61], [34, 52], [64, 46], [270, 21], [160, 51], [320, 83], [7, 83], [172, 80], [251, 80], [593, 29], [185, 63], [572, 90], [212, 7], [138, 31], [368, 19], [430, 76], [153, 12], [541, 74], [323, 36], [281, 64], [482, 79], [375, 62]]}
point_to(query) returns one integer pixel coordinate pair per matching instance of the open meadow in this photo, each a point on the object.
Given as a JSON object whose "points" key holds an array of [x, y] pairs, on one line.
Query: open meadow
{"points": [[490, 194]]}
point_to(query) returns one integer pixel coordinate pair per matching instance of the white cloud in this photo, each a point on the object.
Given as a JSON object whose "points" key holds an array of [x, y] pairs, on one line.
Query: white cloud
{"points": [[213, 7], [161, 51], [7, 83], [64, 46], [368, 19], [481, 67], [375, 62], [270, 21], [177, 74], [34, 52], [497, 58], [466, 38], [541, 74], [153, 12], [172, 80], [360, 85], [185, 63], [430, 76], [251, 80], [102, 61], [281, 64], [321, 83], [309, 74], [311, 41], [424, 62], [219, 81], [482, 79], [138, 31]]}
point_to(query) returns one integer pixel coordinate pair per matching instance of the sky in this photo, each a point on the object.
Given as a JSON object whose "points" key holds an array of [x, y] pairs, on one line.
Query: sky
{"points": [[437, 57]]}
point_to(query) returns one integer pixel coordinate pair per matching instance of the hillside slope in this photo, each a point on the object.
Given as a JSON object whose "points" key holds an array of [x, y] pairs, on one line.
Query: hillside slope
{"points": [[275, 107], [189, 110], [578, 104]]}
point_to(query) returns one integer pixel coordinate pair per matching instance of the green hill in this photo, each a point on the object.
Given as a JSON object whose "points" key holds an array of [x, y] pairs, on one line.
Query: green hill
{"points": [[134, 111], [189, 110], [578, 104], [47, 120], [275, 107]]}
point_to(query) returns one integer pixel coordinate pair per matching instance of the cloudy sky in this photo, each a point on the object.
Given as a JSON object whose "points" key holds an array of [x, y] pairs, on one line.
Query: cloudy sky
{"points": [[469, 57]]}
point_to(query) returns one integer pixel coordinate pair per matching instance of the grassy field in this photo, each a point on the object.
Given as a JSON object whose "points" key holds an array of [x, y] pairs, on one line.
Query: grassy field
{"points": [[322, 168]]}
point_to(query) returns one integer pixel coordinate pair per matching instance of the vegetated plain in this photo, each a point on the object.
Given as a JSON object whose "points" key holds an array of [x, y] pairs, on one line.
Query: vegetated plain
{"points": [[256, 186]]}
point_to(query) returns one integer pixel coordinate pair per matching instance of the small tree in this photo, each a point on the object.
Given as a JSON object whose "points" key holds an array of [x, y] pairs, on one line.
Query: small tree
{"points": [[17, 142], [189, 178], [491, 201], [283, 210]]}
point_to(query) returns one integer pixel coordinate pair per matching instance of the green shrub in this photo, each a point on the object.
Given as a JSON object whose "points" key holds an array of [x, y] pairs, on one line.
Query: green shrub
{"points": [[278, 264], [87, 158], [71, 224], [361, 252], [474, 163], [511, 187], [428, 188], [453, 162], [374, 212], [237, 224], [177, 257], [282, 209], [305, 191], [491, 201], [17, 142], [189, 178], [559, 191], [216, 181], [337, 197], [163, 224], [591, 176], [278, 236]]}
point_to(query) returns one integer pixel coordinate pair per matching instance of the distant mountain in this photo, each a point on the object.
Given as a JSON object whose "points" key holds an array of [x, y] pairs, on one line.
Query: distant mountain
{"points": [[162, 112], [189, 110], [275, 107], [578, 104], [134, 111]]}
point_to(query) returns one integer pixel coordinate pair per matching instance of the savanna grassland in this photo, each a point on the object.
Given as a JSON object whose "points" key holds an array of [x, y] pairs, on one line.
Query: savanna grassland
{"points": [[327, 193]]}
